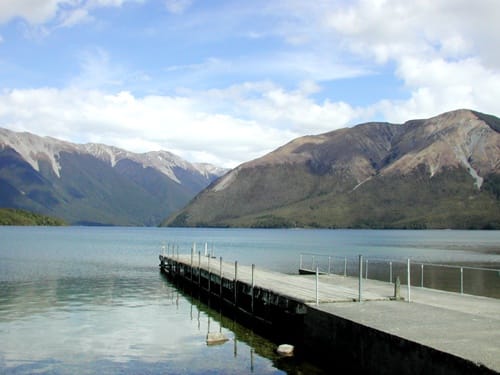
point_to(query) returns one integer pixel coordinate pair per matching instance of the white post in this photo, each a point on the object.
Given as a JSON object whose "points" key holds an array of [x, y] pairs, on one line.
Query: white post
{"points": [[461, 280], [192, 255], [390, 272], [300, 265], [422, 275], [235, 282], [317, 286], [329, 264], [208, 274], [409, 281], [360, 281], [220, 277], [345, 266], [206, 249], [253, 284], [199, 269]]}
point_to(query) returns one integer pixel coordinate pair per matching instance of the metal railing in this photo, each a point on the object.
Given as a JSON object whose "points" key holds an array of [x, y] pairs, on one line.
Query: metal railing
{"points": [[462, 279]]}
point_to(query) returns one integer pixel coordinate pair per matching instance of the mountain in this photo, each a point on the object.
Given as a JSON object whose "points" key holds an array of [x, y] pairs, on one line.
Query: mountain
{"points": [[95, 184], [443, 172]]}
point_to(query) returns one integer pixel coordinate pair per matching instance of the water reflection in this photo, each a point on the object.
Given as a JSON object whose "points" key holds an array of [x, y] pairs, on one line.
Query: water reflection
{"points": [[119, 324], [248, 346]]}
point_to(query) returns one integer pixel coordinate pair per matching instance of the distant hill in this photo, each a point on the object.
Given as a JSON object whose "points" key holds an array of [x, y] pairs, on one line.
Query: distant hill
{"points": [[95, 184], [11, 216], [442, 172]]}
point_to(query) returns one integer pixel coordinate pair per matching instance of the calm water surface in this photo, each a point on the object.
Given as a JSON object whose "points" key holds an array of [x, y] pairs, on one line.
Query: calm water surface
{"points": [[91, 300]]}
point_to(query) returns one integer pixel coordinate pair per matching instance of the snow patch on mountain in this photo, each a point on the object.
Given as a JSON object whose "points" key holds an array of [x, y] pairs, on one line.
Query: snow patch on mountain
{"points": [[33, 149]]}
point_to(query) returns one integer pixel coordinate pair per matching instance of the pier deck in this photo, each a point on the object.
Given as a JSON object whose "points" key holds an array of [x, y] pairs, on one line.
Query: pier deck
{"points": [[451, 324], [301, 288]]}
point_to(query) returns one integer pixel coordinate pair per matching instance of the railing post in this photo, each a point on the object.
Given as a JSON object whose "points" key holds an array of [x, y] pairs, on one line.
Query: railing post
{"points": [[313, 261], [192, 255], [360, 279], [329, 263], [345, 266], [390, 272], [300, 263], [461, 280], [366, 270], [220, 277], [317, 286], [208, 275], [199, 269], [422, 275], [235, 282], [253, 285], [408, 271]]}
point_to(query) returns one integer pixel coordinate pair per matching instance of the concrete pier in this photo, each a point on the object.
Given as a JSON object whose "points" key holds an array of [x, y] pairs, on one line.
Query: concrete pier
{"points": [[438, 332]]}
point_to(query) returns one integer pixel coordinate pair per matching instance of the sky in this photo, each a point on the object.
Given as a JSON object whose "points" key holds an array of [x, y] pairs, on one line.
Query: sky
{"points": [[225, 82]]}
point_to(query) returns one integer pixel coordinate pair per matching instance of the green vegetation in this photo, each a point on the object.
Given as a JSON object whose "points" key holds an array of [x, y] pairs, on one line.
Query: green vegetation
{"points": [[272, 221], [413, 201], [11, 216]]}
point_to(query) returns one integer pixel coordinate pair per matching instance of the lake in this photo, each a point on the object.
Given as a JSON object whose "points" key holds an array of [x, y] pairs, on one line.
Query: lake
{"points": [[92, 300]]}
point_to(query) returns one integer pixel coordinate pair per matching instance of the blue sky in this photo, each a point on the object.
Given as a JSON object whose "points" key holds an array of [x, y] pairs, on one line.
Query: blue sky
{"points": [[228, 81]]}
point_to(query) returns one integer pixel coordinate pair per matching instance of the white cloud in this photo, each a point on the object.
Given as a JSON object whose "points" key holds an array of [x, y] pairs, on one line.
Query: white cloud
{"points": [[444, 52], [438, 85], [177, 6], [97, 71], [67, 13], [197, 128], [33, 11], [74, 17]]}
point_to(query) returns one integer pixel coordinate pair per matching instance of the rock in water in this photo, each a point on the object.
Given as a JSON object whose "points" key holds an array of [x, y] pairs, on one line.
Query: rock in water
{"points": [[285, 350], [214, 338]]}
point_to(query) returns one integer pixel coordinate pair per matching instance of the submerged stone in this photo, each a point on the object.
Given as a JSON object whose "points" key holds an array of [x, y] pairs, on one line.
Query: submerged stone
{"points": [[215, 338], [285, 350]]}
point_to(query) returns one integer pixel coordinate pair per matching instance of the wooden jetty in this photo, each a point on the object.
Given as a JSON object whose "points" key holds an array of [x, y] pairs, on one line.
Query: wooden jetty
{"points": [[335, 317]]}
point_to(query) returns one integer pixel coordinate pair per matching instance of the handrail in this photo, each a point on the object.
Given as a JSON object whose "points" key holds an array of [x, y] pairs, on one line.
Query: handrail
{"points": [[404, 261], [318, 262]]}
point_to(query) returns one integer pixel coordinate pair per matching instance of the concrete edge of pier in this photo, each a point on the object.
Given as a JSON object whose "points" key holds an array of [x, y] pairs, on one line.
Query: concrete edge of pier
{"points": [[438, 332]]}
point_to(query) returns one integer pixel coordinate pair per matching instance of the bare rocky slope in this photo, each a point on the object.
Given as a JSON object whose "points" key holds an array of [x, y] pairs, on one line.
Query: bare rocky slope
{"points": [[442, 172], [95, 184]]}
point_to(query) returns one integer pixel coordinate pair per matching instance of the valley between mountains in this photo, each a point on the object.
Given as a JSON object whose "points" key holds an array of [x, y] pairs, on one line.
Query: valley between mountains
{"points": [[441, 172]]}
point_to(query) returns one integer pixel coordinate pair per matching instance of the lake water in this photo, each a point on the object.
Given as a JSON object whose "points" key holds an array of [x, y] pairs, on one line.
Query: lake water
{"points": [[92, 300]]}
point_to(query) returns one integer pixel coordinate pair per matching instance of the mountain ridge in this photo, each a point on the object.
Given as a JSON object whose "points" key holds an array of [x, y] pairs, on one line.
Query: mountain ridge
{"points": [[95, 184], [311, 181]]}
